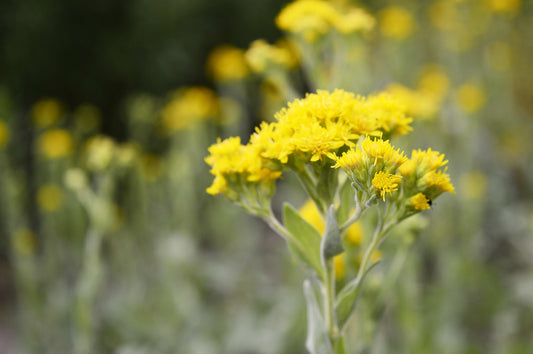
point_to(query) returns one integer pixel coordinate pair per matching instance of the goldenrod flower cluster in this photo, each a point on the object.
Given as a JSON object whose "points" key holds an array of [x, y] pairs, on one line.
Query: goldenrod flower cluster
{"points": [[310, 130], [261, 55], [227, 63], [189, 105], [426, 100], [314, 18]]}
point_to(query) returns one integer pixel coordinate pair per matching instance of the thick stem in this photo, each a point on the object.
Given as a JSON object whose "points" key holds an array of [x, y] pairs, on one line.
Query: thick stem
{"points": [[328, 289]]}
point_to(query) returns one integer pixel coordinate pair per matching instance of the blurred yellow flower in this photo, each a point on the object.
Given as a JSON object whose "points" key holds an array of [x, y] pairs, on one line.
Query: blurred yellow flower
{"points": [[24, 242], [420, 104], [4, 134], [261, 55], [187, 106], [56, 143], [444, 15], [473, 185], [87, 118], [314, 18], [49, 198], [339, 263], [470, 97], [46, 112], [227, 63], [396, 22], [504, 6], [99, 152], [433, 80], [75, 179]]}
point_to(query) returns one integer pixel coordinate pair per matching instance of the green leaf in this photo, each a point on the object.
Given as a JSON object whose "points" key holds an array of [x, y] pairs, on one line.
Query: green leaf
{"points": [[305, 242], [331, 244], [327, 184], [347, 196], [317, 341], [347, 298]]}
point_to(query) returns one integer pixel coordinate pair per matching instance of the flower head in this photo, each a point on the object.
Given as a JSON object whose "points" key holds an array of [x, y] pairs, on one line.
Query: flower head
{"points": [[226, 63], [396, 22], [46, 112], [187, 106], [385, 183], [419, 202], [56, 143]]}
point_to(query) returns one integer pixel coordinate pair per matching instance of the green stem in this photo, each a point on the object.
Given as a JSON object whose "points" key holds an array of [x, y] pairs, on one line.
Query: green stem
{"points": [[87, 288], [328, 289], [309, 185], [371, 247]]}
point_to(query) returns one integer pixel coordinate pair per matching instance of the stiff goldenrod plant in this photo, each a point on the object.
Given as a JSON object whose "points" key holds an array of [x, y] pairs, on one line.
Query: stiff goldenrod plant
{"points": [[317, 137]]}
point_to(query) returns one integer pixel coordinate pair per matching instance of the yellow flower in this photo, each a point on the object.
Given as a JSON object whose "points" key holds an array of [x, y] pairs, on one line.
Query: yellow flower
{"points": [[87, 118], [420, 104], [56, 143], [428, 159], [230, 159], [226, 63], [46, 112], [24, 242], [314, 18], [310, 18], [99, 150], [396, 22], [389, 113], [353, 20], [4, 134], [383, 151], [49, 198], [261, 55], [350, 160], [321, 123], [471, 97], [189, 105], [437, 183], [419, 202], [386, 183]]}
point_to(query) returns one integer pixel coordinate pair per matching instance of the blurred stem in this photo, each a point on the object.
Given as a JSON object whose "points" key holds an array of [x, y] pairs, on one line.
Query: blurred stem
{"points": [[86, 292]]}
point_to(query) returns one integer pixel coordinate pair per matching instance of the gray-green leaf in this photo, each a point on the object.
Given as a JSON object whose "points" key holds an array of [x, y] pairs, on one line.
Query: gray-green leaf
{"points": [[347, 298], [331, 244], [306, 239], [317, 341]]}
